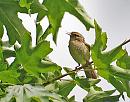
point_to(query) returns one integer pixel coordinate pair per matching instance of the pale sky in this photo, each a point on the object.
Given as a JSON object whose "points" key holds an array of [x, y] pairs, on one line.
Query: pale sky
{"points": [[112, 15]]}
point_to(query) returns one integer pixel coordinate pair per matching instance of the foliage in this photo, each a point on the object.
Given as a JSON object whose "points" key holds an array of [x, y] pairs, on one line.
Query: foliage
{"points": [[33, 77], [28, 93]]}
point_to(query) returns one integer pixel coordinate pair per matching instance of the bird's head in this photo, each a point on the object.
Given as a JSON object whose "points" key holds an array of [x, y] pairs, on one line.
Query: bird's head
{"points": [[76, 36]]}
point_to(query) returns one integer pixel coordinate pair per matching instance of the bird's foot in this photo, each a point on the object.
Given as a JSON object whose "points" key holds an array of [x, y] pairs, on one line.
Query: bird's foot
{"points": [[77, 66], [88, 63]]}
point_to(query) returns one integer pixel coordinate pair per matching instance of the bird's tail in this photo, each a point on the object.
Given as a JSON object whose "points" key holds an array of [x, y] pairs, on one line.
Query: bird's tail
{"points": [[90, 73]]}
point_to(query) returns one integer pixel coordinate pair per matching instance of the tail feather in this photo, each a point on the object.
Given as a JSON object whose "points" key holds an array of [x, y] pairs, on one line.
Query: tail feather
{"points": [[93, 74], [90, 73]]}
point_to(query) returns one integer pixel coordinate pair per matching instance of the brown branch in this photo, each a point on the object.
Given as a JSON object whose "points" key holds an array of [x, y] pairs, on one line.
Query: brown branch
{"points": [[69, 73]]}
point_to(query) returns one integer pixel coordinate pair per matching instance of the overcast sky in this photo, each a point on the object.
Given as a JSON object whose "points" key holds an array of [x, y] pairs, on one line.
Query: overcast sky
{"points": [[112, 15]]}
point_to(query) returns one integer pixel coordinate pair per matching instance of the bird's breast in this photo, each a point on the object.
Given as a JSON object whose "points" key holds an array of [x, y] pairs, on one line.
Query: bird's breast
{"points": [[79, 51]]}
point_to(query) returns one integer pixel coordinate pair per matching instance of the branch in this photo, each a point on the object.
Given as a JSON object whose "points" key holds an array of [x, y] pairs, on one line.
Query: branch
{"points": [[69, 73], [125, 42]]}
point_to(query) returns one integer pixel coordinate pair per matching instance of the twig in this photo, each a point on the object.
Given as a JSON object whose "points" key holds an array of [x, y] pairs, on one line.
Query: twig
{"points": [[125, 42], [69, 73]]}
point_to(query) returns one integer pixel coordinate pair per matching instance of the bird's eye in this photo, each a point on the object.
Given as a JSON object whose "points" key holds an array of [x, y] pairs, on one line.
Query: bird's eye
{"points": [[77, 35]]}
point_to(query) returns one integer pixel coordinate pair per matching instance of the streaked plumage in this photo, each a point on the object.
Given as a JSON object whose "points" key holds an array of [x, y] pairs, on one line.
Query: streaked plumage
{"points": [[80, 51]]}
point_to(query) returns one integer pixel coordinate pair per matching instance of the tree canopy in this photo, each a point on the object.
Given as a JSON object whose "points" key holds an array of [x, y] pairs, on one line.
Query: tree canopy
{"points": [[33, 77]]}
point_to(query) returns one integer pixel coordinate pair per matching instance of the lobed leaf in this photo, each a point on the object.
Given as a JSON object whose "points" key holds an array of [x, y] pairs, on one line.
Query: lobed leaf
{"points": [[31, 58], [124, 61], [104, 40], [78, 11], [37, 7], [56, 10], [101, 96], [103, 59], [86, 83], [72, 99], [39, 32], [9, 18], [25, 3], [3, 64], [10, 76], [7, 53], [120, 84], [1, 30], [69, 70], [117, 83], [28, 93], [6, 73], [120, 72], [65, 87]]}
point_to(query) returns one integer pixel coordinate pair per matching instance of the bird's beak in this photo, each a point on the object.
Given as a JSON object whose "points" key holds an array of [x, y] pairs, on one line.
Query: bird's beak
{"points": [[68, 33]]}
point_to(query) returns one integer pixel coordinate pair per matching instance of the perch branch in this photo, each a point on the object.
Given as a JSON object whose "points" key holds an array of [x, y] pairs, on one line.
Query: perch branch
{"points": [[69, 73], [125, 42]]}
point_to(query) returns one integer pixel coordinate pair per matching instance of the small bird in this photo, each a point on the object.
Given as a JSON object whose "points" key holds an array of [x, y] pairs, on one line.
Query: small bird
{"points": [[80, 51]]}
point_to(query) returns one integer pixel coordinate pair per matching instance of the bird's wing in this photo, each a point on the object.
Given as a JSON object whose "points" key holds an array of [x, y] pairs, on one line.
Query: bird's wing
{"points": [[88, 46]]}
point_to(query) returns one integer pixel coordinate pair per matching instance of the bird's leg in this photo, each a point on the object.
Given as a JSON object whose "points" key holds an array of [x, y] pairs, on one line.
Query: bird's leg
{"points": [[87, 63], [77, 66]]}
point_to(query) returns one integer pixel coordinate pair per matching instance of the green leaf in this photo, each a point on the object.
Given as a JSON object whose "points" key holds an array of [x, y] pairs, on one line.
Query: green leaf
{"points": [[15, 64], [69, 70], [101, 96], [52, 87], [27, 93], [3, 64], [8, 53], [97, 56], [6, 44], [39, 32], [65, 87], [25, 3], [78, 11], [120, 79], [104, 40], [120, 84], [31, 58], [117, 83], [105, 74], [115, 53], [127, 86], [56, 10], [2, 91], [9, 18], [37, 7], [120, 72], [124, 61], [72, 99], [86, 83], [45, 34], [103, 59], [105, 99], [10, 76], [1, 30]]}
